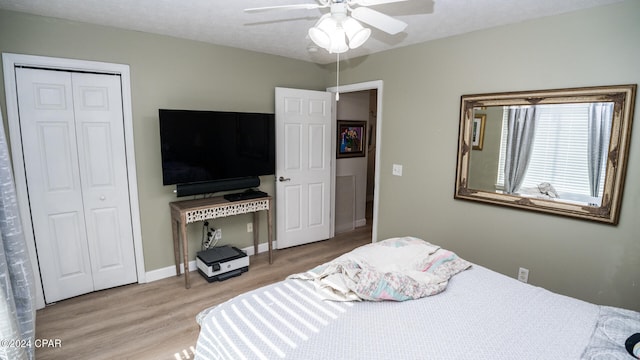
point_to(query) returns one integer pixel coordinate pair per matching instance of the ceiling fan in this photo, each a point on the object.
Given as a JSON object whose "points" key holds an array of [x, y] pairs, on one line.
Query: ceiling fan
{"points": [[339, 30]]}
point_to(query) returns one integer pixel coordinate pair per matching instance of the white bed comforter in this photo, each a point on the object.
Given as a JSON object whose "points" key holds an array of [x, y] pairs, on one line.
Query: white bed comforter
{"points": [[394, 269], [482, 315]]}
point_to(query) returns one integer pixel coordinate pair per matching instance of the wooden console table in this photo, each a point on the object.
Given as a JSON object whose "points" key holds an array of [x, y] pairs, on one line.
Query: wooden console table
{"points": [[190, 211]]}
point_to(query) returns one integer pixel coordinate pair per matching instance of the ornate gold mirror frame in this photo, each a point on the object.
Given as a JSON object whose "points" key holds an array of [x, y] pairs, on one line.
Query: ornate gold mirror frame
{"points": [[476, 109]]}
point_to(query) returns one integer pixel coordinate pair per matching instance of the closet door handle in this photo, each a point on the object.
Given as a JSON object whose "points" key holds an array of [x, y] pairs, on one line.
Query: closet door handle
{"points": [[103, 198], [281, 179]]}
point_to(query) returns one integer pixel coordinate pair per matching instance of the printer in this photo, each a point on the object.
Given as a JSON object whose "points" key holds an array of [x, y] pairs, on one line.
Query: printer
{"points": [[221, 263]]}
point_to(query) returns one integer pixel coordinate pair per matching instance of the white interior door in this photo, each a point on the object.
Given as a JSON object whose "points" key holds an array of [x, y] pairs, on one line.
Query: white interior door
{"points": [[303, 166], [72, 136]]}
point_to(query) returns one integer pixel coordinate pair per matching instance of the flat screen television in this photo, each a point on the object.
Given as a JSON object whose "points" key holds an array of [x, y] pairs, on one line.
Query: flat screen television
{"points": [[209, 146]]}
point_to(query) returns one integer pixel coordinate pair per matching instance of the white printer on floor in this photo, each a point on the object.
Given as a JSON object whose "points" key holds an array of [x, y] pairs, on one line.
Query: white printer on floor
{"points": [[221, 263]]}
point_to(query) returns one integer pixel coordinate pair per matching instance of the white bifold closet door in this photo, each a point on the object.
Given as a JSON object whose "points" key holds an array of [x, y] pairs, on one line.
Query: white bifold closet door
{"points": [[74, 153]]}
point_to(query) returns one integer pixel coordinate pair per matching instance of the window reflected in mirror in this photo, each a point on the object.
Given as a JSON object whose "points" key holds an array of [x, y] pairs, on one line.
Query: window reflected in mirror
{"points": [[564, 160]]}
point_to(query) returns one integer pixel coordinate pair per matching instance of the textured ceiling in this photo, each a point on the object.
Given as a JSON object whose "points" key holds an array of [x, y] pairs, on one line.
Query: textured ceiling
{"points": [[284, 32]]}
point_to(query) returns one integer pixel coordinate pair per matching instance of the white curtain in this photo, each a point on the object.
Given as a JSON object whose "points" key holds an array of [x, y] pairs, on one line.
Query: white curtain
{"points": [[521, 124], [17, 286], [600, 117]]}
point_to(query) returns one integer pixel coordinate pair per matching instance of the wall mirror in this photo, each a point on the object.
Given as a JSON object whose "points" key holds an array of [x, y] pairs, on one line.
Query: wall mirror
{"points": [[558, 151]]}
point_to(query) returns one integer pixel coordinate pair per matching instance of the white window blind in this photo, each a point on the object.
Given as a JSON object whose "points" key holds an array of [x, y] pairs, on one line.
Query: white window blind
{"points": [[559, 154]]}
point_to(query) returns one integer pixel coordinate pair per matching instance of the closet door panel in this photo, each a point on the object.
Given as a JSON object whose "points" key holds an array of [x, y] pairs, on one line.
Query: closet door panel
{"points": [[101, 154], [73, 144], [51, 162]]}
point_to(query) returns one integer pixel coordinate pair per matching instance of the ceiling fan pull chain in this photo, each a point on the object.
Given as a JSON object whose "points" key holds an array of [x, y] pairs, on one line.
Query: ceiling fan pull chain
{"points": [[338, 77]]}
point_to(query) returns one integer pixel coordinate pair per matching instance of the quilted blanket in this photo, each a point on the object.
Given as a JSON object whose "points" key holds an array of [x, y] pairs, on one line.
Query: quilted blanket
{"points": [[395, 269]]}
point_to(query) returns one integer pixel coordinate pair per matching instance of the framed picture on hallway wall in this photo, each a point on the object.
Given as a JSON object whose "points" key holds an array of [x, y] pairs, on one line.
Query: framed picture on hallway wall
{"points": [[351, 140]]}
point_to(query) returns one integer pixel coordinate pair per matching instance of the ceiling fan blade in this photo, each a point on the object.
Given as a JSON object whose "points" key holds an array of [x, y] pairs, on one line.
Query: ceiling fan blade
{"points": [[379, 20], [373, 2], [286, 7]]}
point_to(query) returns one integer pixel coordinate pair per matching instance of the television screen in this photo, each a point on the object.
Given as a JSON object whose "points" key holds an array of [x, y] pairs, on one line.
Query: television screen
{"points": [[200, 146]]}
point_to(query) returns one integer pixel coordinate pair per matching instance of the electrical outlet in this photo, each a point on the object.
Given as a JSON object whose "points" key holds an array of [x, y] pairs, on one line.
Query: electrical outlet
{"points": [[523, 275], [249, 227], [218, 234]]}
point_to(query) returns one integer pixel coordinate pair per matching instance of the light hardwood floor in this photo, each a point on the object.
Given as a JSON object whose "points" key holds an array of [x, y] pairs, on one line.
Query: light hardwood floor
{"points": [[157, 320]]}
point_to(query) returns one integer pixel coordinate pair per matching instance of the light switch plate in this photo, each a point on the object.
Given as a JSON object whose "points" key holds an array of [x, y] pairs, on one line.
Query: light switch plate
{"points": [[397, 170]]}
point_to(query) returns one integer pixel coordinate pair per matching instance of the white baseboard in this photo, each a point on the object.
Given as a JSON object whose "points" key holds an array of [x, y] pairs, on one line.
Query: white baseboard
{"points": [[170, 271], [361, 222]]}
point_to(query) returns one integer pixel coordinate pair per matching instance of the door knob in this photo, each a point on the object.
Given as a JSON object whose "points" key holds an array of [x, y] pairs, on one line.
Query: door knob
{"points": [[281, 178], [102, 197]]}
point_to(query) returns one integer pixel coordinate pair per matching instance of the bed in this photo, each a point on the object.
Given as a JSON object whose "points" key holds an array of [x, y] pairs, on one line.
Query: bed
{"points": [[478, 314]]}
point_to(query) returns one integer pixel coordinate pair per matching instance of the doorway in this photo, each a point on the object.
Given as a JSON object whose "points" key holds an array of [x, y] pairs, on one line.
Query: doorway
{"points": [[301, 113], [355, 175], [356, 179]]}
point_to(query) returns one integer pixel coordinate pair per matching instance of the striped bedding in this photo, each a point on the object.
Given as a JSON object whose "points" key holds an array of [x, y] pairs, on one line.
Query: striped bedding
{"points": [[481, 315]]}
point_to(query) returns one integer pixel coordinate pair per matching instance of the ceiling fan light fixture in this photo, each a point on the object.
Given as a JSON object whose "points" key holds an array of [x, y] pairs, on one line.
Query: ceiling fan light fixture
{"points": [[340, 29], [356, 33], [329, 35], [338, 41], [320, 37]]}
